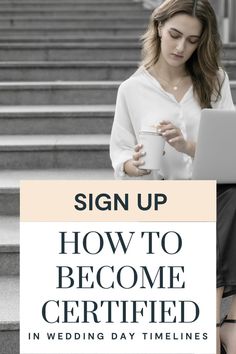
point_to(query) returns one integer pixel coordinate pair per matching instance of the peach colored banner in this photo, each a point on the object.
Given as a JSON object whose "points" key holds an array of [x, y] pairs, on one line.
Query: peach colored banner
{"points": [[118, 200]]}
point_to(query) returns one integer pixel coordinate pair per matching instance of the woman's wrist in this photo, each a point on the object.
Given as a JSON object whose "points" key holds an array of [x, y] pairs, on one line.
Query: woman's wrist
{"points": [[190, 148]]}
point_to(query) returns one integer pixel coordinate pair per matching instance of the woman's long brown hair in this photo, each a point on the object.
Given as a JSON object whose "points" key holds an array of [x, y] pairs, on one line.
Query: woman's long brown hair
{"points": [[204, 64]]}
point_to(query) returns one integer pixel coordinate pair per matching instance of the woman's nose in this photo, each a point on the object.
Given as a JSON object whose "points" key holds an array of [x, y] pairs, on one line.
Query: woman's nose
{"points": [[180, 46]]}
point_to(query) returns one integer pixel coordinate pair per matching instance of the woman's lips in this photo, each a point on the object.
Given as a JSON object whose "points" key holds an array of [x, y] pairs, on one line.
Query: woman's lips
{"points": [[177, 56]]}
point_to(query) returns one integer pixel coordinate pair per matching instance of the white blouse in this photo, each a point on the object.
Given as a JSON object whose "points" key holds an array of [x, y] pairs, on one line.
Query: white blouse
{"points": [[142, 102]]}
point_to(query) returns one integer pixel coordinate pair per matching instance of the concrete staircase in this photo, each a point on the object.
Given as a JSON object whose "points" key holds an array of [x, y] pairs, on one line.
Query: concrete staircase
{"points": [[61, 64]]}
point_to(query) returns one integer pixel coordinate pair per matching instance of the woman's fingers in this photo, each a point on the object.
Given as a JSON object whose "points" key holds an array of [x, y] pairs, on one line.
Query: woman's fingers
{"points": [[138, 155], [138, 147], [164, 122], [176, 139], [171, 133], [138, 163], [140, 172], [132, 169], [138, 167]]}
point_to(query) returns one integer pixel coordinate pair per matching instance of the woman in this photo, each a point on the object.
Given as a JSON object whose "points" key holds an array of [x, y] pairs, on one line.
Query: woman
{"points": [[179, 76]]}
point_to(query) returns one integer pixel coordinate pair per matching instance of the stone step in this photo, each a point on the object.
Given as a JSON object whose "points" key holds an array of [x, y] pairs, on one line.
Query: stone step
{"points": [[117, 11], [72, 25], [229, 51], [114, 50], [62, 93], [54, 151], [68, 5], [70, 2], [66, 71], [64, 33], [108, 37], [69, 51], [89, 15], [9, 199], [9, 314], [92, 2], [68, 9], [72, 22], [230, 67], [56, 120], [9, 245], [10, 182], [79, 70]]}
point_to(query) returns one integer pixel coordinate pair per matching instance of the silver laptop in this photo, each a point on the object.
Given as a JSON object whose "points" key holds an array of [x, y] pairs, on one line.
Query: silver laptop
{"points": [[215, 156]]}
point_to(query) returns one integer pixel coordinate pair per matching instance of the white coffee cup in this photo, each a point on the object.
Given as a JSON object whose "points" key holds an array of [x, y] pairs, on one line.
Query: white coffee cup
{"points": [[153, 146]]}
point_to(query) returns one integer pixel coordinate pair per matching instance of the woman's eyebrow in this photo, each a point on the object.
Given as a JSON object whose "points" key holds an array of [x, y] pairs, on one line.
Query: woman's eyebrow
{"points": [[191, 35]]}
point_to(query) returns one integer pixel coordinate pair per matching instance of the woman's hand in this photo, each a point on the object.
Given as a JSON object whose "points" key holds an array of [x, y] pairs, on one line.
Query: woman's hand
{"points": [[173, 136], [133, 167]]}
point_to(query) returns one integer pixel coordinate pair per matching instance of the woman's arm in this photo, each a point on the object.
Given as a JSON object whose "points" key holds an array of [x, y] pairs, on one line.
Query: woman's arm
{"points": [[124, 151], [123, 138]]}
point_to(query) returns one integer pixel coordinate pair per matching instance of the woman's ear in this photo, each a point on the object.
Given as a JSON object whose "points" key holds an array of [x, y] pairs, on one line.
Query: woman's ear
{"points": [[160, 30]]}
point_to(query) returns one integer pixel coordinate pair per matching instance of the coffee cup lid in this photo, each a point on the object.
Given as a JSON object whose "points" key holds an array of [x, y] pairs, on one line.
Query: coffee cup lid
{"points": [[149, 132]]}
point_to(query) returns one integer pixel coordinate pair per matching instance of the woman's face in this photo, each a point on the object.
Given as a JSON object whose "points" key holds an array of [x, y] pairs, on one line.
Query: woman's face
{"points": [[180, 36]]}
